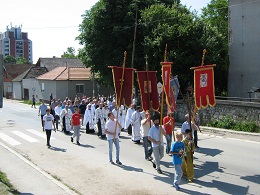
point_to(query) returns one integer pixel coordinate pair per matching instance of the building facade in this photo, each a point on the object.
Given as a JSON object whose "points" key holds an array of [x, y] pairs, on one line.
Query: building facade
{"points": [[244, 47], [15, 43]]}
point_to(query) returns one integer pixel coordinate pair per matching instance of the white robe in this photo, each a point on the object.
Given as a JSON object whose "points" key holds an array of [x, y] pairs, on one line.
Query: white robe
{"points": [[89, 117], [136, 126], [123, 116], [129, 113], [100, 114], [67, 118]]}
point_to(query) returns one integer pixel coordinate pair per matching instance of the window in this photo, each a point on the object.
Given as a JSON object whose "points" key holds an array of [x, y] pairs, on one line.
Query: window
{"points": [[79, 88]]}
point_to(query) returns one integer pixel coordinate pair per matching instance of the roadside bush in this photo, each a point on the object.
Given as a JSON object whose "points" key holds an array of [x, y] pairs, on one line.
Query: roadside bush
{"points": [[228, 123]]}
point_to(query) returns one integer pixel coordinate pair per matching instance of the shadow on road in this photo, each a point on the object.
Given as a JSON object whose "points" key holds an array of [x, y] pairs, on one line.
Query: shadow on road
{"points": [[253, 178], [58, 149], [130, 168], [225, 187], [86, 146], [25, 193], [207, 168], [186, 191], [209, 151]]}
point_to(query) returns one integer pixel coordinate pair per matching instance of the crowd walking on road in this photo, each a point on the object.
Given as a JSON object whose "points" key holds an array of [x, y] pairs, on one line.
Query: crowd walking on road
{"points": [[102, 116]]}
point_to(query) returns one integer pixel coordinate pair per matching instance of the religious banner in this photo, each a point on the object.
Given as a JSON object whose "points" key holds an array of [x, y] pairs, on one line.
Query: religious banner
{"points": [[127, 85], [166, 73], [174, 91], [204, 88], [148, 89]]}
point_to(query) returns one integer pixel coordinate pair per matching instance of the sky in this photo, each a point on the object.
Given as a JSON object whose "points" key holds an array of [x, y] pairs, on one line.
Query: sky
{"points": [[53, 25]]}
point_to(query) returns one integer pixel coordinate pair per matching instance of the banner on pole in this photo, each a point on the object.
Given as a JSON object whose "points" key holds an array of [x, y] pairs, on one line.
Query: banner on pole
{"points": [[204, 88], [148, 89], [127, 87], [166, 73]]}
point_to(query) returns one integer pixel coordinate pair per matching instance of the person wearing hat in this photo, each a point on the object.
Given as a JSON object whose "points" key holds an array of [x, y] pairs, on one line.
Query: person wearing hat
{"points": [[136, 125], [156, 138]]}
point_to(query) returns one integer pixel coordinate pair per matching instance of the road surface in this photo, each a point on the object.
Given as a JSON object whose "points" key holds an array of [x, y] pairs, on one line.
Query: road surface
{"points": [[223, 165]]}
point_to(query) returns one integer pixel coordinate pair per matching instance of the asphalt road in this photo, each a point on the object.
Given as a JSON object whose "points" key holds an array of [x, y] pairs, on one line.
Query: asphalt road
{"points": [[223, 165]]}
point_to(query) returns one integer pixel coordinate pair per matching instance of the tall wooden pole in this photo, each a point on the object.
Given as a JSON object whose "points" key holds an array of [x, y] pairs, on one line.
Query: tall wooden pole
{"points": [[120, 93]]}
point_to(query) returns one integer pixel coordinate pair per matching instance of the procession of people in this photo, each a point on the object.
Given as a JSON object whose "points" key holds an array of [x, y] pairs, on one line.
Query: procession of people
{"points": [[106, 119]]}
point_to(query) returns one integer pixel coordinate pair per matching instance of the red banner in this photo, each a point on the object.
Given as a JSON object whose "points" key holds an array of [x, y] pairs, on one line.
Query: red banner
{"points": [[148, 88], [127, 87], [166, 74], [204, 89]]}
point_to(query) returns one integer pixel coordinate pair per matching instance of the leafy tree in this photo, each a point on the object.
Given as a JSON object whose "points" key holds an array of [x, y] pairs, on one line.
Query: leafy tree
{"points": [[107, 31], [215, 17], [12, 60], [22, 60], [9, 59], [70, 53]]}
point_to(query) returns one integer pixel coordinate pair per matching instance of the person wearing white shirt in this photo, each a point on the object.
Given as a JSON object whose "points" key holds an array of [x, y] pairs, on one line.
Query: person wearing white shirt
{"points": [[100, 120], [48, 121], [112, 128], [89, 119], [186, 125], [57, 111], [156, 138], [146, 124]]}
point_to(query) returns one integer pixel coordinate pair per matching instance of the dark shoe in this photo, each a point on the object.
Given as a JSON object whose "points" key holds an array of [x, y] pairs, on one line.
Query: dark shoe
{"points": [[78, 143], [177, 187], [112, 162], [154, 165], [71, 139], [118, 162], [149, 158], [159, 171]]}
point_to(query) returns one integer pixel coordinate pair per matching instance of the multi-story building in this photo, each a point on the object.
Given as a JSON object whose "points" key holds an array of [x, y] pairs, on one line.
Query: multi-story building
{"points": [[15, 43], [244, 47]]}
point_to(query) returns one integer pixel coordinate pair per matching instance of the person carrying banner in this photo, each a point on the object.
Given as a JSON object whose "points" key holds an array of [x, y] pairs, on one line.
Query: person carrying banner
{"points": [[186, 125], [169, 125], [136, 125], [154, 136], [146, 124], [112, 134]]}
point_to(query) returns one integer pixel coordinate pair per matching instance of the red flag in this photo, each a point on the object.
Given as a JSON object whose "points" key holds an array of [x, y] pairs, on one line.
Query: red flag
{"points": [[166, 73], [148, 89], [204, 89], [127, 87]]}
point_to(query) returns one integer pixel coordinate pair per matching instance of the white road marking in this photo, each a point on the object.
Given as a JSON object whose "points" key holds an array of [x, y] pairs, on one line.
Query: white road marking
{"points": [[9, 140], [24, 136], [40, 134]]}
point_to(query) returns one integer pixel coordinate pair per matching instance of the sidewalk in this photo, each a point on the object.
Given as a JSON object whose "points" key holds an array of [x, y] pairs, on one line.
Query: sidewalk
{"points": [[26, 177]]}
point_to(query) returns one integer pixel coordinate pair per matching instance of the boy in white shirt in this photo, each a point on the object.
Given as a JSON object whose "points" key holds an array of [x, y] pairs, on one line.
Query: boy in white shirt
{"points": [[48, 121]]}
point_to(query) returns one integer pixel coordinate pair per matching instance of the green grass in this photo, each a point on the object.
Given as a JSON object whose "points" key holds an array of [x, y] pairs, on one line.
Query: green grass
{"points": [[5, 186], [29, 102]]}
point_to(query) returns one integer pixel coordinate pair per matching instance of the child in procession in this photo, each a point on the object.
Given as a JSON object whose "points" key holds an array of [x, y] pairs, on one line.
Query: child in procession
{"points": [[75, 125], [48, 121], [177, 150]]}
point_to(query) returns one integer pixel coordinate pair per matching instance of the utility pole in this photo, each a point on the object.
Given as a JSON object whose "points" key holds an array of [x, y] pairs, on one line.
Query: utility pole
{"points": [[1, 79], [133, 52]]}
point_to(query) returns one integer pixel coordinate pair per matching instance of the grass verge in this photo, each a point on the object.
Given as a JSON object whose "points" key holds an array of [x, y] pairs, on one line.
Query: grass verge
{"points": [[5, 186]]}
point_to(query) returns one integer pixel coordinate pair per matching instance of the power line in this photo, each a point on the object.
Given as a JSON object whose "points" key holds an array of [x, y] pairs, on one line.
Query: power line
{"points": [[64, 27]]}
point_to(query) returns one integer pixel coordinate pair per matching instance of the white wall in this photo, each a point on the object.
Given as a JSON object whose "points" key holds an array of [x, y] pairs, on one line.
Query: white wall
{"points": [[17, 90], [31, 84]]}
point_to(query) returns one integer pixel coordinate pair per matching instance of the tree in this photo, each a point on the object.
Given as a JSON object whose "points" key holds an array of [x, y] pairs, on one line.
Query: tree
{"points": [[215, 17], [12, 60], [9, 59], [107, 31], [70, 53]]}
